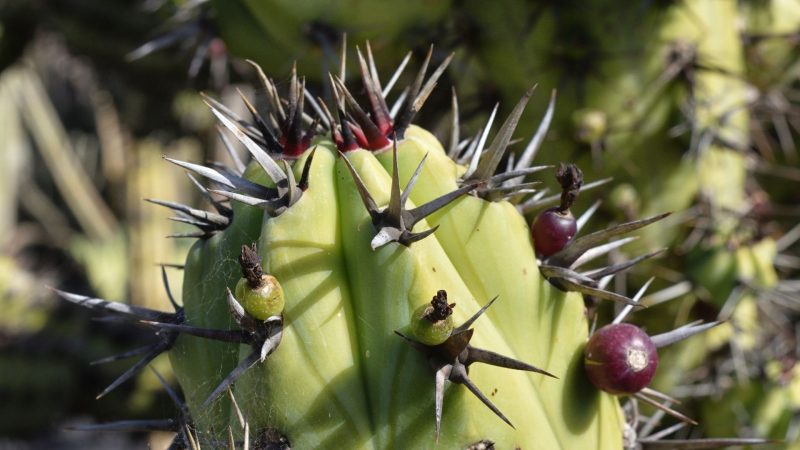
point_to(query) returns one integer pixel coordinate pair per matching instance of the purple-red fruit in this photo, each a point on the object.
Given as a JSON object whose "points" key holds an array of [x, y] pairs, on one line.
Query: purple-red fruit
{"points": [[552, 230], [620, 359]]}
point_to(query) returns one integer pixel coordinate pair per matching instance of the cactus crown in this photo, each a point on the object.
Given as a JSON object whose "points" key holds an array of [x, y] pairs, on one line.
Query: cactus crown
{"points": [[282, 131], [376, 127]]}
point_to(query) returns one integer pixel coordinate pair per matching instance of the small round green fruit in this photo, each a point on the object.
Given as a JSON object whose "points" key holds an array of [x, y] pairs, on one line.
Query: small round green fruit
{"points": [[432, 323], [264, 301]]}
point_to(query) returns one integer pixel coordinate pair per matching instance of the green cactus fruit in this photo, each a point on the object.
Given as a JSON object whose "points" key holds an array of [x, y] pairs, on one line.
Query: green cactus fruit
{"points": [[263, 301], [432, 324], [260, 294]]}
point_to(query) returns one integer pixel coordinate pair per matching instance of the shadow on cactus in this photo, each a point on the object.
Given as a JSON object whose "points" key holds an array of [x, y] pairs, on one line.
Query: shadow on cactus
{"points": [[354, 260]]}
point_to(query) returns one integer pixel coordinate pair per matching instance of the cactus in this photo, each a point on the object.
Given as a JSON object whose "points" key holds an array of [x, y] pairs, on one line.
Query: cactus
{"points": [[381, 298]]}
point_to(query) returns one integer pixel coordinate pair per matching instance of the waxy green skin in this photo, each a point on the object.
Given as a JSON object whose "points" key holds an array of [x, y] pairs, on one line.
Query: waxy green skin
{"points": [[263, 302], [311, 387], [200, 364], [342, 377], [388, 284], [427, 332]]}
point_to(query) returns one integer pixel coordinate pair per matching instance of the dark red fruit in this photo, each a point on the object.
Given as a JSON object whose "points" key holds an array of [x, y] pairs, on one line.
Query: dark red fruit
{"points": [[552, 230], [620, 359]]}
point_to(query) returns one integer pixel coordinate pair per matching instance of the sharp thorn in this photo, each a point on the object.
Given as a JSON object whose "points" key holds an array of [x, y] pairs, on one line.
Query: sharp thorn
{"points": [[464, 326], [134, 369], [488, 165], [666, 409], [566, 284], [124, 355], [528, 155], [567, 256], [264, 160], [245, 364], [415, 215], [463, 378], [303, 184], [441, 376], [600, 250], [395, 208], [455, 127], [584, 218], [409, 238], [477, 150], [679, 334], [132, 312], [396, 75], [165, 281], [617, 268], [495, 359], [234, 336], [412, 180], [204, 171], [170, 391], [626, 310]]}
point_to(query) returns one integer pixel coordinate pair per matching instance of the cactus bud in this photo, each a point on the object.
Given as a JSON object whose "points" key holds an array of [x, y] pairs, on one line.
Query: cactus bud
{"points": [[260, 294], [432, 324]]}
